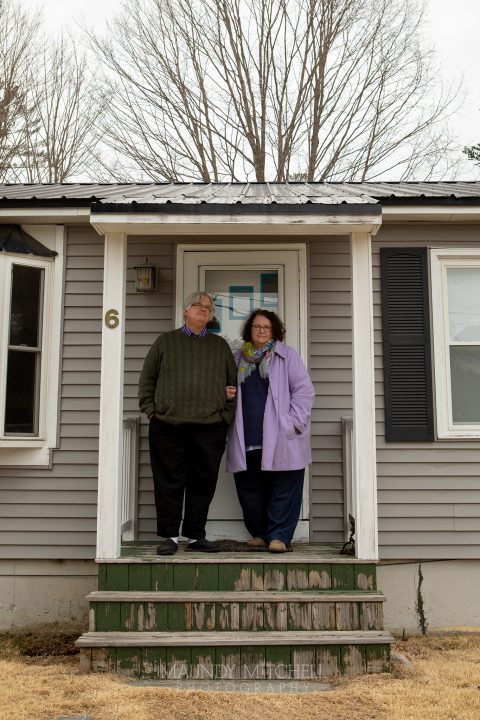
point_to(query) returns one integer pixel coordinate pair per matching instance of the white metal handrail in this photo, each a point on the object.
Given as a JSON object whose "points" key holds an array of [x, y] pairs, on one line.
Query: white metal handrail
{"points": [[130, 478]]}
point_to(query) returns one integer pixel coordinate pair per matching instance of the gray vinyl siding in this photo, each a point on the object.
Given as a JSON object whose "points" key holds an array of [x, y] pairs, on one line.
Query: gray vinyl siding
{"points": [[147, 315], [428, 493], [330, 358], [51, 513], [329, 362]]}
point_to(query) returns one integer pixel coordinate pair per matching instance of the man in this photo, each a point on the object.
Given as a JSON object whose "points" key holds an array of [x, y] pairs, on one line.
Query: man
{"points": [[182, 390]]}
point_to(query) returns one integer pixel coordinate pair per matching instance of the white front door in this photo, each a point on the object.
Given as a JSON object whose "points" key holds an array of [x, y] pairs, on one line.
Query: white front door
{"points": [[240, 280]]}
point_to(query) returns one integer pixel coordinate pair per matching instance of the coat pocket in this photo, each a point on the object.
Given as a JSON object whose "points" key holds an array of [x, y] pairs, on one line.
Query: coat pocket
{"points": [[288, 428]]}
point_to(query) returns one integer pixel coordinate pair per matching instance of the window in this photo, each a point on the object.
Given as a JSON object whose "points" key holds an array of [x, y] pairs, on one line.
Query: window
{"points": [[30, 319], [24, 359], [456, 332]]}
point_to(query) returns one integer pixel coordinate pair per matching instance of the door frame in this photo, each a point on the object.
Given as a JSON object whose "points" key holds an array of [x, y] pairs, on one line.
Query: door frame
{"points": [[301, 249]]}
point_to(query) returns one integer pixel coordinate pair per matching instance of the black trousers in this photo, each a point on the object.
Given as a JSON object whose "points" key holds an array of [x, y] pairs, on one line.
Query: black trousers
{"points": [[185, 462]]}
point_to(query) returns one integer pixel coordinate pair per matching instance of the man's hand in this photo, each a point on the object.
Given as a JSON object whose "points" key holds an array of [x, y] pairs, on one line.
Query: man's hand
{"points": [[231, 391]]}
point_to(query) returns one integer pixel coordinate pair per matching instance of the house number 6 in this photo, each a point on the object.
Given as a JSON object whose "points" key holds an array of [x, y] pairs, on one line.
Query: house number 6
{"points": [[111, 319]]}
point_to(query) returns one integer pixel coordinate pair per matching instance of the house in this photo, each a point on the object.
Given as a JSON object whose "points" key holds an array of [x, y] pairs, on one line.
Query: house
{"points": [[379, 286]]}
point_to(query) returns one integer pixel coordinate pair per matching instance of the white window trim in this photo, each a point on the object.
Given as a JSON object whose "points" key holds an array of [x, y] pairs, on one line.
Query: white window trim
{"points": [[440, 260], [36, 451]]}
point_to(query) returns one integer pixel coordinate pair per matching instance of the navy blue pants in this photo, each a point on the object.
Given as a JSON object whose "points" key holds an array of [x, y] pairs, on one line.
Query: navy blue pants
{"points": [[270, 500]]}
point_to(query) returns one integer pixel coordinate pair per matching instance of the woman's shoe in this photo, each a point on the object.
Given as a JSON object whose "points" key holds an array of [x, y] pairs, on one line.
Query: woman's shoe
{"points": [[277, 546], [257, 542]]}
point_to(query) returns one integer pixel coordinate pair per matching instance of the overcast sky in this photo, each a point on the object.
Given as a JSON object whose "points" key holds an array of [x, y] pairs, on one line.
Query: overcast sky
{"points": [[452, 26]]}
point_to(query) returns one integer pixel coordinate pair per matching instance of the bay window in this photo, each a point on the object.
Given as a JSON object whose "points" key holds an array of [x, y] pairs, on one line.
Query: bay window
{"points": [[30, 328]]}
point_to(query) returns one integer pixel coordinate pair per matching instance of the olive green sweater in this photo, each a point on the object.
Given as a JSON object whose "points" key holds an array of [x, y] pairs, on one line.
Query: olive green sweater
{"points": [[184, 378]]}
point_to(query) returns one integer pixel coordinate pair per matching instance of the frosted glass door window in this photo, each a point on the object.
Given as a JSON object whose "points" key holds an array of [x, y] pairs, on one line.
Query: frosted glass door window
{"points": [[464, 341], [236, 294]]}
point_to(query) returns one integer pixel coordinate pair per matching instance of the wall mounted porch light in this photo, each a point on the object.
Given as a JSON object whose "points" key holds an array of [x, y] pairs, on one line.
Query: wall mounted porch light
{"points": [[145, 277]]}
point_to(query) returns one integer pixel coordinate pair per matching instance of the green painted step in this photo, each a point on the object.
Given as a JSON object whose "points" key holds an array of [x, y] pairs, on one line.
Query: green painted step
{"points": [[226, 574], [232, 596], [235, 655], [224, 611]]}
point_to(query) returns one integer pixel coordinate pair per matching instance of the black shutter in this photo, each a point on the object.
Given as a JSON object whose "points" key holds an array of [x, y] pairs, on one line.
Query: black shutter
{"points": [[406, 345]]}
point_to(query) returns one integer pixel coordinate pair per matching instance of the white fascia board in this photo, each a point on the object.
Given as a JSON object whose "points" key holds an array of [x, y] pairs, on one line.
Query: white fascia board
{"points": [[431, 213], [204, 224], [44, 215]]}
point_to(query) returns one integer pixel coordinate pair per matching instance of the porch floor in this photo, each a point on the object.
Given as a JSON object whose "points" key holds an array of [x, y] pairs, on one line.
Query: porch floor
{"points": [[133, 552]]}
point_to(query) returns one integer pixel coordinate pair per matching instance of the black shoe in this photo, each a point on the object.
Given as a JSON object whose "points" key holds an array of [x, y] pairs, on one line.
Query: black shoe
{"points": [[167, 547], [203, 545]]}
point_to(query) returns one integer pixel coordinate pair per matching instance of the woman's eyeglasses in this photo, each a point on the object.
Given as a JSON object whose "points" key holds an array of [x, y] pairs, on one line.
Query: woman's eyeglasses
{"points": [[262, 328]]}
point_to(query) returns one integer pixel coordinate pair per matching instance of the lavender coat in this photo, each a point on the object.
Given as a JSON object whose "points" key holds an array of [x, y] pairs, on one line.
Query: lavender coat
{"points": [[286, 423]]}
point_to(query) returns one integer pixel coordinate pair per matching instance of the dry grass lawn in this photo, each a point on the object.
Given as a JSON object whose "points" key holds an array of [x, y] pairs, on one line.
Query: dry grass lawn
{"points": [[444, 684]]}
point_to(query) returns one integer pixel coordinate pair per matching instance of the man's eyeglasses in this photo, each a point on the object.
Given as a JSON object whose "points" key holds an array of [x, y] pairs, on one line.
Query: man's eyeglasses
{"points": [[262, 328], [208, 308]]}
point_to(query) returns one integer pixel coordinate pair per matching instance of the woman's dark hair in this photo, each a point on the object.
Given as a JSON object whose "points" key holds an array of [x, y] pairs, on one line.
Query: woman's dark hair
{"points": [[278, 328]]}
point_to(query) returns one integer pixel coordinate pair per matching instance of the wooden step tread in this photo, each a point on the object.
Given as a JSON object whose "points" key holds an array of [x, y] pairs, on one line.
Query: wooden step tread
{"points": [[211, 596], [231, 639], [186, 558]]}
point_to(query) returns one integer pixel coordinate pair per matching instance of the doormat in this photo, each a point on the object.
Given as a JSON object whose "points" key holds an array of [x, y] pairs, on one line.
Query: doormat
{"points": [[239, 546]]}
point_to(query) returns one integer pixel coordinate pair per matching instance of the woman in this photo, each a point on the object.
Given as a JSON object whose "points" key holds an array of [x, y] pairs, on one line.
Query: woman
{"points": [[269, 441]]}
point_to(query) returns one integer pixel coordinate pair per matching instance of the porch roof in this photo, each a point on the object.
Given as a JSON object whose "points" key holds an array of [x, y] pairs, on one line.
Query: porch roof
{"points": [[367, 197]]}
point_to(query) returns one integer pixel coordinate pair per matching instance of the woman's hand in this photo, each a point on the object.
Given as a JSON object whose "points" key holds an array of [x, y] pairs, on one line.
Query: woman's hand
{"points": [[231, 391]]}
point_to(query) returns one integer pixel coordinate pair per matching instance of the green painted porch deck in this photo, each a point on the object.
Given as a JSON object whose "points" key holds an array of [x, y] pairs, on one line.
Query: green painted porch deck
{"points": [[138, 552]]}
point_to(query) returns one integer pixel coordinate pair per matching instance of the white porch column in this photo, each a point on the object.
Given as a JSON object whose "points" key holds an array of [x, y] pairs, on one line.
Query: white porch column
{"points": [[110, 456], [364, 445]]}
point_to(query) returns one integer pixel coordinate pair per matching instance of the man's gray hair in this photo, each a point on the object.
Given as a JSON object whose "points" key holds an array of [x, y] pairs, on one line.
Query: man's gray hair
{"points": [[195, 298]]}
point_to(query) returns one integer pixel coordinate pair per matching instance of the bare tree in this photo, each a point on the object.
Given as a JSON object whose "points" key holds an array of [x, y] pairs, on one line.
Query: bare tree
{"points": [[63, 118], [50, 102], [274, 89], [17, 37], [473, 153]]}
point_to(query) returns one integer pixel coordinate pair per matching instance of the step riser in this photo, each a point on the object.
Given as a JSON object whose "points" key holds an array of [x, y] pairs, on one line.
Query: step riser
{"points": [[244, 618], [261, 662], [236, 576], [228, 616]]}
